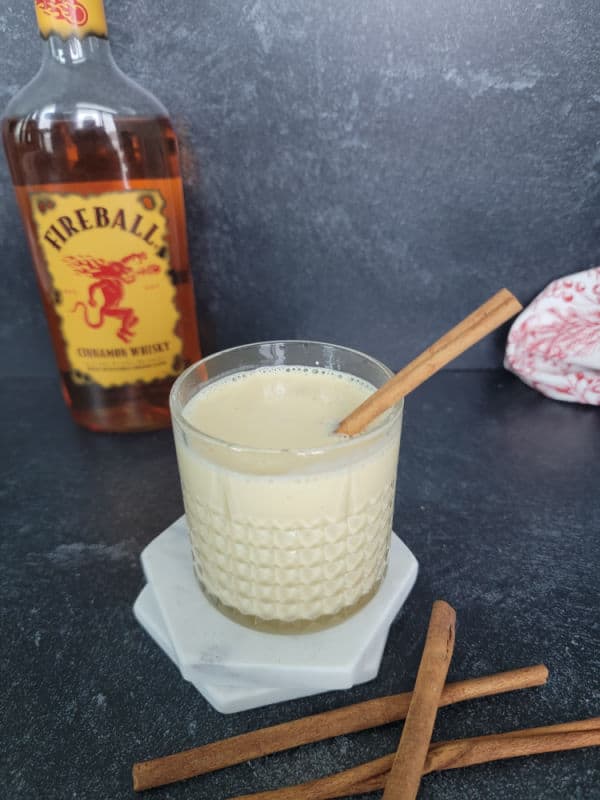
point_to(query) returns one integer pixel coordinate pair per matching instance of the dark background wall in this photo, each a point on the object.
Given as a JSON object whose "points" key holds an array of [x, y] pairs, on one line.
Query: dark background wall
{"points": [[360, 172]]}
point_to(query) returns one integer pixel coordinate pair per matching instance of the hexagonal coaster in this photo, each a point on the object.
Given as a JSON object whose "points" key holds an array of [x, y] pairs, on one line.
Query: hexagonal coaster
{"points": [[212, 647], [238, 697]]}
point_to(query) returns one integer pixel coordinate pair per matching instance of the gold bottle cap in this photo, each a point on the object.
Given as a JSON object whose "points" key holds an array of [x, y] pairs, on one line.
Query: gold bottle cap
{"points": [[67, 18]]}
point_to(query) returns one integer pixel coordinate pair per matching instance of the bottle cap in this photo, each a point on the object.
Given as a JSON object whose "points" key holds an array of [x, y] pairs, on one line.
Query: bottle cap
{"points": [[66, 18]]}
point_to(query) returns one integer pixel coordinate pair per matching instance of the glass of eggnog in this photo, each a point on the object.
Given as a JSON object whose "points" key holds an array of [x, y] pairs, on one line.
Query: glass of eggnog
{"points": [[290, 523]]}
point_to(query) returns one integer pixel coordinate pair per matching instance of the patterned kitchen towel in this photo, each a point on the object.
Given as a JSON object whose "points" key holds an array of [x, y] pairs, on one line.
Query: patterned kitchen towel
{"points": [[554, 344]]}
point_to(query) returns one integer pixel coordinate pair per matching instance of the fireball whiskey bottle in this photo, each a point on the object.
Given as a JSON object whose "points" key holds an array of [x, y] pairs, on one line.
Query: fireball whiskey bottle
{"points": [[95, 164]]}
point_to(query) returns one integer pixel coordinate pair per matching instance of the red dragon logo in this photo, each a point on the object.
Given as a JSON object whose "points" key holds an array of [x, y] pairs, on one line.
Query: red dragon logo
{"points": [[110, 278], [71, 11]]}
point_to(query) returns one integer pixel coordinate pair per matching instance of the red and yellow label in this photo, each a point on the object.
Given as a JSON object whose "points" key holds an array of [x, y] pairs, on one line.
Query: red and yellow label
{"points": [[107, 256], [71, 18]]}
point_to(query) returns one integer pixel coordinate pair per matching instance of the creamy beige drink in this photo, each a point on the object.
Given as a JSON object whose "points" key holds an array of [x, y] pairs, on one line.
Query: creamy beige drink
{"points": [[289, 522], [277, 408]]}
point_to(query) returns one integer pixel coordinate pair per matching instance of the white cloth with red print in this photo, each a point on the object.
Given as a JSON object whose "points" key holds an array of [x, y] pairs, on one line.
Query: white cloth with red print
{"points": [[554, 344]]}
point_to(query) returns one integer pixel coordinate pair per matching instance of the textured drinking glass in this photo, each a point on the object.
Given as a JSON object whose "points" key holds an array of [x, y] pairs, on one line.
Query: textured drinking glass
{"points": [[288, 540]]}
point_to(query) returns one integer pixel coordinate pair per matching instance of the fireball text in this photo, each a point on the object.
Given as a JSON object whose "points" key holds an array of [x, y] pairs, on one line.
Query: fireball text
{"points": [[85, 219]]}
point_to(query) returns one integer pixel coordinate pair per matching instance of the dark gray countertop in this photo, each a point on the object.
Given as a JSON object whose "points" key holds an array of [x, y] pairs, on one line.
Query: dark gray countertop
{"points": [[498, 497]]}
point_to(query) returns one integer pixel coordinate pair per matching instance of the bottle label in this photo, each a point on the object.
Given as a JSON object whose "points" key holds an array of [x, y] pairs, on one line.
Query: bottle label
{"points": [[112, 286], [71, 18]]}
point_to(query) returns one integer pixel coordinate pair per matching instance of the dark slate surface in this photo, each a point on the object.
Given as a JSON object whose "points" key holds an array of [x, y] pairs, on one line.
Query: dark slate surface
{"points": [[498, 498], [353, 169]]}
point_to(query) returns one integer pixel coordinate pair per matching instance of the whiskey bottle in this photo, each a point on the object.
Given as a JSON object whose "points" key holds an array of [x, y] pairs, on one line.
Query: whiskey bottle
{"points": [[95, 165]]}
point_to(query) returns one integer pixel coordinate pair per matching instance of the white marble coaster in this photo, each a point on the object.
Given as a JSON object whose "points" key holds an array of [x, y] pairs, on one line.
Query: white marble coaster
{"points": [[210, 647], [239, 697]]}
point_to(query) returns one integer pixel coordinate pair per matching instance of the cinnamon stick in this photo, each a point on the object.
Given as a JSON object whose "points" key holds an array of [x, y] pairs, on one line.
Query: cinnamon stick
{"points": [[407, 767], [315, 728], [481, 749], [485, 319], [372, 775]]}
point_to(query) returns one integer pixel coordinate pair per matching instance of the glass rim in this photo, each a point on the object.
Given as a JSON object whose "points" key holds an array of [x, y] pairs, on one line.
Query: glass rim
{"points": [[380, 426]]}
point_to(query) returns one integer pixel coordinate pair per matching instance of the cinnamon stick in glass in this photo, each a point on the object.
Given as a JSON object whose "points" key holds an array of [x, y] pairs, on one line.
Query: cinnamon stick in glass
{"points": [[317, 727], [455, 754], [407, 767], [485, 319]]}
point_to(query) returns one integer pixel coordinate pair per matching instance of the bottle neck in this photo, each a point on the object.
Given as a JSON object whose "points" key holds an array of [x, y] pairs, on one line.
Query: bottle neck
{"points": [[74, 51]]}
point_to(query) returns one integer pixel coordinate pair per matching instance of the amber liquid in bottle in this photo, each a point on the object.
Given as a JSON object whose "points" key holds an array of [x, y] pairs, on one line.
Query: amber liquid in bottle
{"points": [[95, 165], [60, 154]]}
